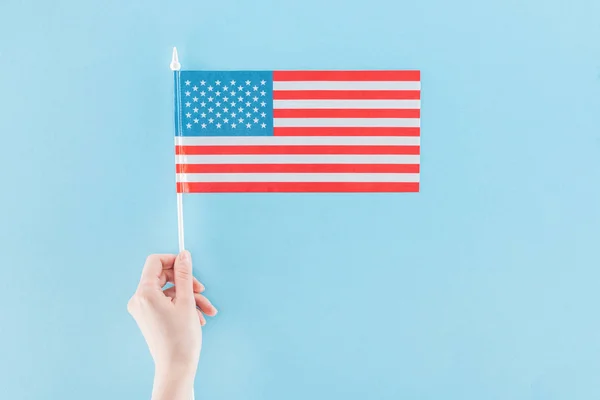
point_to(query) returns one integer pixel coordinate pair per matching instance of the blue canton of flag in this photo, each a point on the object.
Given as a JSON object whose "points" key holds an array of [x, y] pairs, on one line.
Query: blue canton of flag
{"points": [[226, 103]]}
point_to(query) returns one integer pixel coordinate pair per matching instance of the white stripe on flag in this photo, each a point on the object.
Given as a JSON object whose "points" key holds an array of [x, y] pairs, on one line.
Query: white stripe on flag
{"points": [[365, 104], [345, 122], [297, 177], [298, 159], [346, 85], [295, 140]]}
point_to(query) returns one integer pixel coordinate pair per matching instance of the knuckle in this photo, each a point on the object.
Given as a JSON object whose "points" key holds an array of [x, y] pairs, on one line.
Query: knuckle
{"points": [[131, 304], [151, 258], [143, 297], [183, 273]]}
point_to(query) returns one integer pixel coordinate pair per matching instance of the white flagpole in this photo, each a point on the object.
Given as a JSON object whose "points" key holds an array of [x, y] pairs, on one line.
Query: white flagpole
{"points": [[176, 68]]}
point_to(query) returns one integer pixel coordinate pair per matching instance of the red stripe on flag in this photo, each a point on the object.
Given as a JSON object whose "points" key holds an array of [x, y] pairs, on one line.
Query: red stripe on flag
{"points": [[347, 75], [346, 94], [295, 187], [296, 168], [353, 131], [310, 149], [346, 113]]}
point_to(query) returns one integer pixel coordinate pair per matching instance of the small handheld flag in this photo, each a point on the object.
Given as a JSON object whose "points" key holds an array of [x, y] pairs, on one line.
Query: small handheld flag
{"points": [[297, 131]]}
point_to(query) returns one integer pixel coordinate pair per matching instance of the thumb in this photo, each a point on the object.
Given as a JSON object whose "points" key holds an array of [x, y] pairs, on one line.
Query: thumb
{"points": [[184, 280]]}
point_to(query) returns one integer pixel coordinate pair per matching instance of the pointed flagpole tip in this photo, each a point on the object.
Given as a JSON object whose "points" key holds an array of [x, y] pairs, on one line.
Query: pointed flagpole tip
{"points": [[175, 66]]}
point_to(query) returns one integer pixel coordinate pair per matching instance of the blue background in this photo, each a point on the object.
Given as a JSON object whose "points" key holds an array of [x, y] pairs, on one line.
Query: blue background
{"points": [[482, 286]]}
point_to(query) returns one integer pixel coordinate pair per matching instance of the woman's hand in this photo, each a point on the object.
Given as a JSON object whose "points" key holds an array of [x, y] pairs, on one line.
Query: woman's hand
{"points": [[171, 321]]}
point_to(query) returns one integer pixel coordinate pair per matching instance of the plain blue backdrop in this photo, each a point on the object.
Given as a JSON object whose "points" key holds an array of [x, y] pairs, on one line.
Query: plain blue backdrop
{"points": [[482, 286]]}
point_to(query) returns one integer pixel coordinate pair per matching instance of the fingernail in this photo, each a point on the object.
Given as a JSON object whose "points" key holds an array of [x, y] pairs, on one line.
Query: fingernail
{"points": [[185, 255]]}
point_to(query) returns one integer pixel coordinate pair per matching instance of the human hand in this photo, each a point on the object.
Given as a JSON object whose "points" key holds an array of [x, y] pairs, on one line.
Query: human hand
{"points": [[171, 321]]}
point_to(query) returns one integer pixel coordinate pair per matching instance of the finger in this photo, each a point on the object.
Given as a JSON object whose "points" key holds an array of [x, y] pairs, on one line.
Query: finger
{"points": [[205, 305], [153, 268], [201, 317], [184, 280], [168, 276], [201, 301]]}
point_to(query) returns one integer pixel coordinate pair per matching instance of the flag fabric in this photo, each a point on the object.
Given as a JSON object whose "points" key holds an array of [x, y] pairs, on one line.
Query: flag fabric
{"points": [[297, 131]]}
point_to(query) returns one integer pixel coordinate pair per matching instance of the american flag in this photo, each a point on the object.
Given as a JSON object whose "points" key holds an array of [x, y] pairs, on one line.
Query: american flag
{"points": [[298, 131]]}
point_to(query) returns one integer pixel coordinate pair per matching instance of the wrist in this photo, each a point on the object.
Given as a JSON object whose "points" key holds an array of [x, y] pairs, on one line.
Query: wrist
{"points": [[173, 381]]}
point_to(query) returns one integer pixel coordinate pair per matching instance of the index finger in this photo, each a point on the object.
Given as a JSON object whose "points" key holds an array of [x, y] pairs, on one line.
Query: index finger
{"points": [[153, 269], [168, 276]]}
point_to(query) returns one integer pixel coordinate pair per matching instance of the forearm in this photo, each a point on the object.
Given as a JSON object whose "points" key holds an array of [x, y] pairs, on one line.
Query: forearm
{"points": [[171, 384]]}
